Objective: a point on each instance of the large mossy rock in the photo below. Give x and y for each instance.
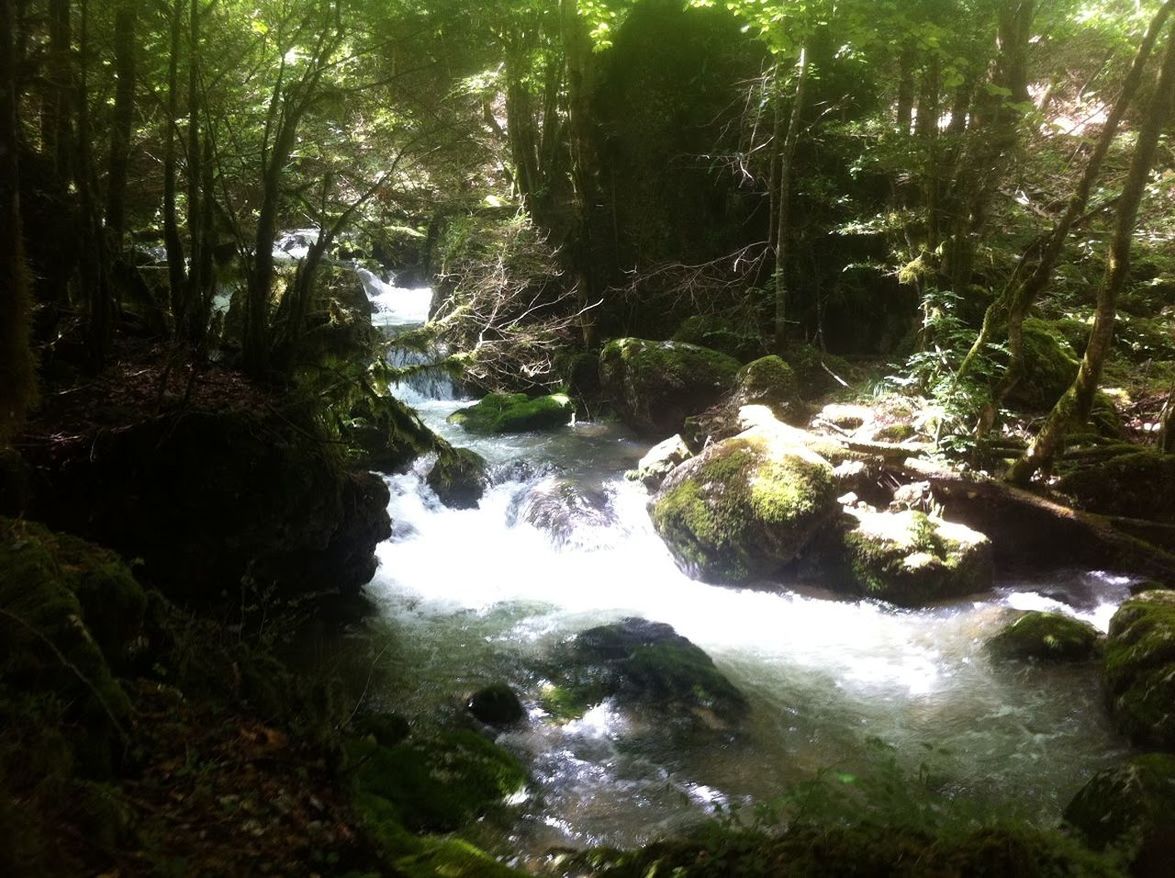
(644, 667)
(459, 477)
(70, 613)
(770, 381)
(386, 435)
(1050, 365)
(1131, 808)
(1050, 637)
(911, 559)
(656, 385)
(744, 508)
(1140, 669)
(720, 335)
(514, 413)
(1138, 485)
(207, 498)
(437, 782)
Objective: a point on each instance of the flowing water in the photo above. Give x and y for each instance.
(478, 596)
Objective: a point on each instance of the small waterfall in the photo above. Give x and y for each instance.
(398, 310)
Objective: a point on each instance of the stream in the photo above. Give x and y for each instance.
(479, 596)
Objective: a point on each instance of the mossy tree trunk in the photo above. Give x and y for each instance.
(176, 271)
(1074, 406)
(1021, 293)
(17, 374)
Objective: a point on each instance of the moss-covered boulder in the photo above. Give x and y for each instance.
(1050, 365)
(815, 369)
(770, 381)
(208, 498)
(436, 782)
(1128, 485)
(1131, 808)
(743, 508)
(718, 334)
(384, 434)
(1140, 669)
(459, 477)
(70, 614)
(660, 461)
(655, 385)
(514, 413)
(911, 559)
(644, 667)
(1050, 637)
(496, 705)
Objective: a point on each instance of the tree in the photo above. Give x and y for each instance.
(17, 374)
(1074, 406)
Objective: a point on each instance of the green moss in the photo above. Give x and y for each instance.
(1050, 366)
(437, 782)
(384, 434)
(1140, 668)
(743, 508)
(710, 331)
(910, 559)
(68, 610)
(770, 381)
(1130, 808)
(656, 385)
(421, 856)
(642, 665)
(514, 413)
(1045, 636)
(1126, 485)
(811, 367)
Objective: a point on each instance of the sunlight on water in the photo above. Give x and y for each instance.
(482, 595)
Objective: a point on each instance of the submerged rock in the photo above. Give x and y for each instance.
(655, 385)
(642, 665)
(563, 510)
(496, 705)
(1047, 637)
(660, 461)
(1140, 669)
(459, 477)
(911, 559)
(514, 413)
(1131, 808)
(744, 508)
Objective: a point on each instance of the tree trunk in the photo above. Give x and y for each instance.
(17, 370)
(904, 112)
(1074, 406)
(1019, 297)
(176, 272)
(121, 124)
(577, 50)
(95, 268)
(194, 288)
(783, 216)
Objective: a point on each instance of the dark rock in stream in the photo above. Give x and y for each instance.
(459, 478)
(496, 705)
(642, 666)
(1131, 808)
